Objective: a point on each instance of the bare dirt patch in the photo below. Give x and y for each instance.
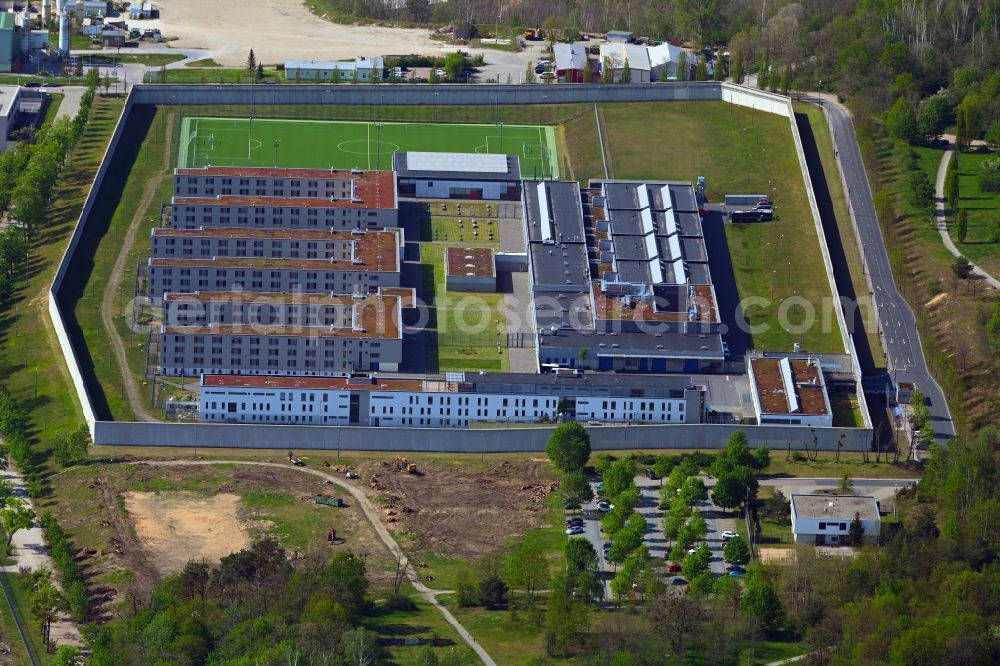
(278, 30)
(178, 527)
(461, 512)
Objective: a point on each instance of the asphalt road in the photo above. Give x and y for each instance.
(897, 325)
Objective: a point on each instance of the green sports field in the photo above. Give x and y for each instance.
(355, 145)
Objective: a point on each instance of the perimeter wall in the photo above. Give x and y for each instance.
(427, 439)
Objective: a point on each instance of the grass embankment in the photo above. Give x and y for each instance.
(207, 75)
(423, 621)
(22, 597)
(143, 158)
(204, 62)
(150, 59)
(739, 151)
(55, 101)
(983, 211)
(30, 358)
(583, 147)
(852, 254)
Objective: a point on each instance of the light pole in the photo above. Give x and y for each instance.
(378, 146)
(276, 143)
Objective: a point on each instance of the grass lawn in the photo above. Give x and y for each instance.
(30, 358)
(510, 637)
(55, 101)
(465, 326)
(846, 411)
(826, 466)
(821, 132)
(424, 622)
(983, 211)
(77, 40)
(151, 59)
(765, 652)
(22, 596)
(583, 147)
(205, 75)
(204, 62)
(729, 144)
(146, 187)
(18, 653)
(347, 145)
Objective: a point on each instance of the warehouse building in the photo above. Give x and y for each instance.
(364, 334)
(790, 392)
(458, 175)
(364, 70)
(470, 269)
(458, 401)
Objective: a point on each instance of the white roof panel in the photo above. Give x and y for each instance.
(457, 162)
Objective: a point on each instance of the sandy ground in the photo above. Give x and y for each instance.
(178, 527)
(277, 30)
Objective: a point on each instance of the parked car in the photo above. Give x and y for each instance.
(650, 474)
(574, 522)
(539, 69)
(52, 84)
(607, 546)
(735, 567)
(729, 534)
(573, 531)
(32, 84)
(599, 486)
(677, 580)
(604, 506)
(571, 506)
(673, 567)
(736, 573)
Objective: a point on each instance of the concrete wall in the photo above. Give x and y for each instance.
(360, 438)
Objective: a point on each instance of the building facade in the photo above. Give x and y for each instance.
(338, 246)
(789, 391)
(491, 176)
(487, 398)
(826, 519)
(265, 182)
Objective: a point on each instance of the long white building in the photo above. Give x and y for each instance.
(456, 402)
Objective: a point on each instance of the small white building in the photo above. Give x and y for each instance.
(664, 57)
(365, 70)
(570, 61)
(620, 36)
(470, 269)
(616, 55)
(826, 519)
(9, 109)
(491, 175)
(789, 391)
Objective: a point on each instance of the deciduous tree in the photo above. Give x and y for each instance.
(569, 446)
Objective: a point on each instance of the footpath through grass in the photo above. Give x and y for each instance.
(739, 151)
(983, 209)
(31, 362)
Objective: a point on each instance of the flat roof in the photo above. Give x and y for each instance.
(375, 252)
(669, 303)
(273, 232)
(269, 172)
(562, 383)
(789, 386)
(556, 236)
(457, 166)
(373, 316)
(470, 261)
(835, 507)
(371, 189)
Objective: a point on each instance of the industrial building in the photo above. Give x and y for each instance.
(311, 335)
(10, 41)
(615, 55)
(267, 182)
(363, 70)
(470, 269)
(458, 175)
(790, 391)
(825, 520)
(570, 62)
(611, 282)
(457, 401)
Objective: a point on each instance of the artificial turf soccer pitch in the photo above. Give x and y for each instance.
(326, 144)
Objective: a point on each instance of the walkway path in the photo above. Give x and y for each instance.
(373, 516)
(135, 397)
(30, 552)
(941, 213)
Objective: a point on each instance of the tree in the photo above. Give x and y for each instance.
(259, 72)
(696, 562)
(565, 620)
(921, 192)
(763, 71)
(682, 69)
(575, 489)
(360, 647)
(493, 592)
(961, 267)
(962, 224)
(583, 574)
(846, 485)
(786, 80)
(701, 70)
(626, 76)
(733, 486)
(701, 19)
(663, 467)
(15, 515)
(526, 568)
(951, 193)
(738, 67)
(693, 491)
(993, 135)
(66, 655)
(46, 602)
(607, 70)
(761, 458)
(72, 449)
(992, 334)
(569, 446)
(585, 77)
(736, 551)
(663, 76)
(251, 65)
(619, 476)
(856, 531)
(901, 121)
(454, 63)
(529, 74)
(760, 602)
(935, 116)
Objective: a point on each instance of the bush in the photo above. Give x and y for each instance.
(989, 181)
(921, 192)
(400, 602)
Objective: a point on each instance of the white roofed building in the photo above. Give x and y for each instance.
(570, 61)
(615, 55)
(458, 175)
(665, 56)
(366, 69)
